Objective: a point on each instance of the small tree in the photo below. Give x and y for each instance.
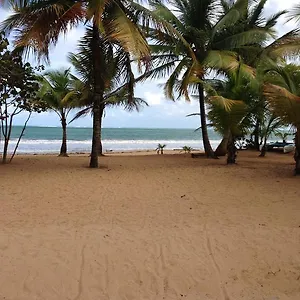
(282, 135)
(160, 148)
(18, 87)
(270, 124)
(187, 149)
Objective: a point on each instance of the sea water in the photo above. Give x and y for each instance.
(48, 139)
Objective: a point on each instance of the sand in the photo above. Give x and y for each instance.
(150, 227)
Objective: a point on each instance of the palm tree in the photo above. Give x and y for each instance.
(227, 113)
(282, 135)
(269, 125)
(282, 92)
(58, 92)
(212, 29)
(160, 148)
(37, 24)
(118, 77)
(220, 33)
(187, 149)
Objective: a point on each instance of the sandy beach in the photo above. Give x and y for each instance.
(150, 227)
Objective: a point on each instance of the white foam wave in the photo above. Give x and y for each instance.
(53, 146)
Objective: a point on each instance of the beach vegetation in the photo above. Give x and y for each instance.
(160, 148)
(187, 149)
(18, 94)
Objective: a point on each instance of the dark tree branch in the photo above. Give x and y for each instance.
(20, 137)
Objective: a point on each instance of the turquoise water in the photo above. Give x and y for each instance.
(48, 139)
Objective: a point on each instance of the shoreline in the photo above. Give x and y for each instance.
(113, 152)
(144, 152)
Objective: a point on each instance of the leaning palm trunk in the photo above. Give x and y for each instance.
(263, 150)
(231, 150)
(222, 148)
(256, 135)
(207, 147)
(63, 148)
(297, 152)
(97, 97)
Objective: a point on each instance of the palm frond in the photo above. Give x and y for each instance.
(283, 103)
(37, 24)
(294, 13)
(82, 113)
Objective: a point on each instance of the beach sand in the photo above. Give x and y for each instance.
(150, 227)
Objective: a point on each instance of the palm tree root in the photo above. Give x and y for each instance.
(232, 154)
(63, 155)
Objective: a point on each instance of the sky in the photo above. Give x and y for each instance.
(161, 112)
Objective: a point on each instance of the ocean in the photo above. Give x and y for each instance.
(48, 139)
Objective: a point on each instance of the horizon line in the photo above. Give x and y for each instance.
(88, 127)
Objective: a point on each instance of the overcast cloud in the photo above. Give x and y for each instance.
(161, 113)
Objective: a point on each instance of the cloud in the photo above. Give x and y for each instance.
(161, 112)
(153, 98)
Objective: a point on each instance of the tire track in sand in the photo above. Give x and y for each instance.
(215, 264)
(80, 285)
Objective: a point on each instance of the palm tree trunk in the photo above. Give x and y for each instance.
(297, 152)
(63, 148)
(256, 135)
(263, 150)
(96, 134)
(207, 146)
(222, 148)
(231, 155)
(97, 97)
(101, 118)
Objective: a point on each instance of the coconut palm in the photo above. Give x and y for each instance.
(60, 95)
(119, 79)
(282, 92)
(228, 111)
(213, 29)
(258, 54)
(269, 125)
(117, 98)
(228, 115)
(220, 33)
(37, 24)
